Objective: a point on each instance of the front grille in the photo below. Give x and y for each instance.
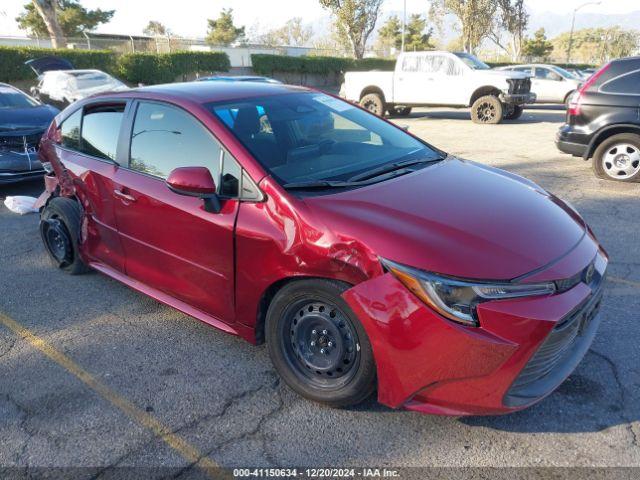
(558, 344)
(520, 86)
(565, 345)
(20, 143)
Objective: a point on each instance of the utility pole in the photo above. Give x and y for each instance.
(404, 23)
(573, 24)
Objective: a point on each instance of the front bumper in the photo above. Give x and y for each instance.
(518, 99)
(429, 364)
(18, 167)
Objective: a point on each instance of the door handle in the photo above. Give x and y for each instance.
(123, 196)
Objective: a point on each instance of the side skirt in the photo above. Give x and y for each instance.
(164, 298)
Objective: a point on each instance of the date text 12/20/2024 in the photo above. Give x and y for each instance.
(316, 473)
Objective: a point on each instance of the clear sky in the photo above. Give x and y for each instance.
(188, 17)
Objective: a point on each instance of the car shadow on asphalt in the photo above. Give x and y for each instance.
(532, 114)
(32, 188)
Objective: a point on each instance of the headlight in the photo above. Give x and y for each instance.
(457, 299)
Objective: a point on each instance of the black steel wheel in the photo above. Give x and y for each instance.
(324, 346)
(318, 345)
(59, 230)
(57, 241)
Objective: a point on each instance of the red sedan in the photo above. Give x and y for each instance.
(366, 258)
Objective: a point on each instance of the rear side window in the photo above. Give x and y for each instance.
(628, 84)
(100, 131)
(70, 131)
(166, 137)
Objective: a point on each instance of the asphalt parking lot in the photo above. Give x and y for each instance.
(105, 377)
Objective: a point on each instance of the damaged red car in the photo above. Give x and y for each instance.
(365, 258)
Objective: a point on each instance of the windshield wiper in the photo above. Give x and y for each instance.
(389, 167)
(319, 184)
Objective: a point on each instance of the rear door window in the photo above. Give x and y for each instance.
(70, 131)
(101, 129)
(628, 84)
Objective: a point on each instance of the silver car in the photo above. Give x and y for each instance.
(550, 83)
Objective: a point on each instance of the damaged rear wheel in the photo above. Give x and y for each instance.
(59, 229)
(318, 345)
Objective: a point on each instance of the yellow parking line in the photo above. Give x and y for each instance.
(624, 281)
(185, 449)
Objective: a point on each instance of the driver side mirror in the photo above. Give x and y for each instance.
(195, 182)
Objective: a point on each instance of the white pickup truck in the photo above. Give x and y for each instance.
(441, 79)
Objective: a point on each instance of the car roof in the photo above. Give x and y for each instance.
(86, 70)
(206, 92)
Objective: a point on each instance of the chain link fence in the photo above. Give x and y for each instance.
(240, 56)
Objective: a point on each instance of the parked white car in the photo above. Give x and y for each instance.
(441, 79)
(60, 84)
(550, 83)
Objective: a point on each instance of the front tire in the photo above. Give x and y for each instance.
(373, 103)
(60, 232)
(618, 158)
(318, 345)
(487, 110)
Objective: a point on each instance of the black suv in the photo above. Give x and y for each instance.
(603, 121)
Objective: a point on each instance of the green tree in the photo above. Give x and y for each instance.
(417, 35)
(389, 36)
(155, 29)
(512, 17)
(71, 17)
(598, 45)
(476, 19)
(355, 20)
(222, 31)
(293, 33)
(538, 46)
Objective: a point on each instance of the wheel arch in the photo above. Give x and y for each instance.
(608, 132)
(372, 89)
(269, 294)
(568, 95)
(482, 91)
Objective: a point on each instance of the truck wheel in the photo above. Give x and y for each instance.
(618, 158)
(318, 345)
(487, 110)
(513, 112)
(401, 111)
(373, 102)
(60, 232)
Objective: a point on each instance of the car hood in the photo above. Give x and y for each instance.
(456, 218)
(14, 121)
(504, 74)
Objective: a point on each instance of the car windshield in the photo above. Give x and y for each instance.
(565, 73)
(472, 61)
(312, 137)
(87, 80)
(13, 98)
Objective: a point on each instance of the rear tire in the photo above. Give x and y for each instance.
(618, 158)
(513, 112)
(318, 345)
(487, 110)
(60, 232)
(373, 103)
